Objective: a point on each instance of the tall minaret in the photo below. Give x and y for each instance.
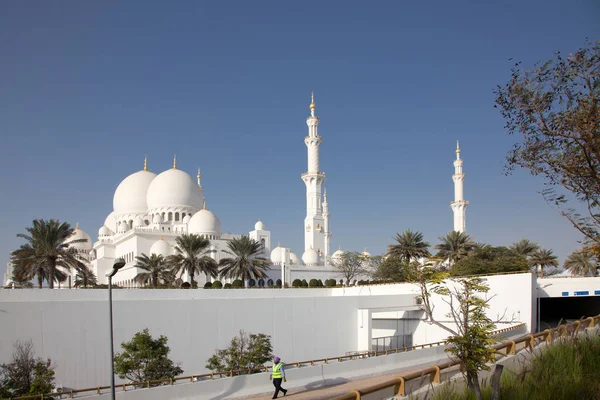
(459, 205)
(314, 230)
(326, 225)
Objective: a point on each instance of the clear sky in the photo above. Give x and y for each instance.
(87, 89)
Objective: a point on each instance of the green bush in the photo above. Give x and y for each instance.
(186, 285)
(315, 283)
(228, 286)
(330, 283)
(217, 285)
(270, 283)
(208, 285)
(304, 283)
(297, 283)
(238, 284)
(251, 283)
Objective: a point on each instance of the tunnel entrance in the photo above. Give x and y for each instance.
(551, 310)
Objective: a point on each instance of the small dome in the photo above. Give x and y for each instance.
(276, 255)
(104, 231)
(78, 234)
(161, 248)
(138, 222)
(186, 219)
(294, 259)
(310, 257)
(123, 227)
(130, 196)
(205, 222)
(366, 253)
(110, 222)
(259, 226)
(174, 188)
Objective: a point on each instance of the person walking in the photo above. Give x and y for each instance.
(278, 374)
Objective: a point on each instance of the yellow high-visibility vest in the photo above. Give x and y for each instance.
(276, 372)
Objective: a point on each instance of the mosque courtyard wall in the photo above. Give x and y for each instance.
(71, 326)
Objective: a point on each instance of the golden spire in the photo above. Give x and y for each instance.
(457, 148)
(325, 194)
(205, 204)
(175, 161)
(145, 163)
(278, 244)
(198, 176)
(77, 225)
(312, 101)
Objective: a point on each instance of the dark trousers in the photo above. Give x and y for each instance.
(277, 384)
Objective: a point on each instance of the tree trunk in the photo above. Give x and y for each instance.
(473, 383)
(51, 277)
(496, 382)
(192, 278)
(40, 280)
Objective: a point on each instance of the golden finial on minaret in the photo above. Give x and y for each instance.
(145, 163)
(205, 204)
(312, 101)
(325, 193)
(175, 161)
(278, 244)
(198, 176)
(77, 225)
(457, 147)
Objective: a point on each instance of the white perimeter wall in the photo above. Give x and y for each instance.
(71, 326)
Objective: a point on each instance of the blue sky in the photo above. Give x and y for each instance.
(89, 88)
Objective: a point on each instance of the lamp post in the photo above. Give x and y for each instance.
(118, 264)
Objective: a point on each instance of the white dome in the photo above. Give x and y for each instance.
(77, 235)
(259, 226)
(130, 196)
(310, 257)
(137, 222)
(123, 227)
(104, 231)
(294, 259)
(174, 188)
(205, 222)
(276, 255)
(366, 253)
(110, 222)
(161, 248)
(186, 219)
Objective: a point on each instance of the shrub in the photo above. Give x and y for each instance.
(330, 283)
(186, 285)
(270, 283)
(208, 285)
(251, 283)
(217, 285)
(261, 283)
(238, 284)
(278, 284)
(26, 374)
(313, 283)
(228, 286)
(297, 283)
(304, 283)
(145, 359)
(246, 351)
(320, 283)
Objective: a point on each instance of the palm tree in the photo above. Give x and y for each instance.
(410, 246)
(582, 262)
(191, 257)
(246, 261)
(155, 268)
(543, 258)
(85, 277)
(46, 249)
(524, 248)
(455, 246)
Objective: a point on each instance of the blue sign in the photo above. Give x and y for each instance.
(565, 293)
(582, 293)
(597, 292)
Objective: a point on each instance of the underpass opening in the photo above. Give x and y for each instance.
(556, 310)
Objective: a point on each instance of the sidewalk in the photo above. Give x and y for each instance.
(328, 392)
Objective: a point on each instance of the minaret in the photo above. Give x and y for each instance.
(200, 184)
(459, 205)
(314, 230)
(326, 225)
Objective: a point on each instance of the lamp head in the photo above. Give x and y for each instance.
(117, 265)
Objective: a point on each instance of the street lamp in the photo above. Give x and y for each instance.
(118, 264)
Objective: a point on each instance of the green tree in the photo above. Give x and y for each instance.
(154, 269)
(351, 265)
(191, 257)
(145, 359)
(582, 262)
(489, 260)
(455, 246)
(246, 351)
(410, 246)
(554, 108)
(392, 269)
(245, 261)
(541, 259)
(524, 248)
(26, 374)
(47, 249)
(85, 277)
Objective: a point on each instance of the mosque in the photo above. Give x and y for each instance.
(150, 211)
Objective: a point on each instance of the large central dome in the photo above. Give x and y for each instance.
(130, 196)
(174, 188)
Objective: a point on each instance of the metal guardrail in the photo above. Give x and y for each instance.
(434, 371)
(71, 394)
